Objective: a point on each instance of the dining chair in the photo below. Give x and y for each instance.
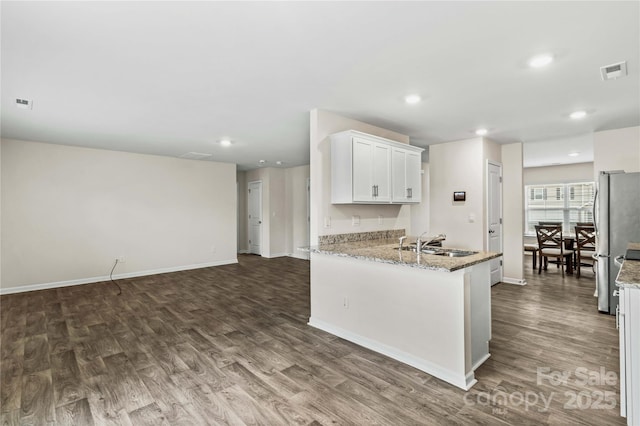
(551, 244)
(585, 246)
(584, 224)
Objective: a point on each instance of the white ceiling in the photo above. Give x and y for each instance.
(173, 77)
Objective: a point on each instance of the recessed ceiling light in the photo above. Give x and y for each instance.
(262, 161)
(225, 142)
(279, 163)
(481, 132)
(577, 115)
(574, 154)
(540, 61)
(412, 99)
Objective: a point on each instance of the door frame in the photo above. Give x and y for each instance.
(249, 219)
(487, 201)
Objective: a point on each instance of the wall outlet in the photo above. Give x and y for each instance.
(355, 220)
(121, 259)
(345, 302)
(380, 219)
(327, 221)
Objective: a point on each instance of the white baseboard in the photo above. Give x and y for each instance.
(515, 281)
(480, 362)
(243, 251)
(303, 256)
(91, 280)
(462, 381)
(273, 255)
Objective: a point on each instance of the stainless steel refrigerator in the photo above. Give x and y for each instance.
(617, 220)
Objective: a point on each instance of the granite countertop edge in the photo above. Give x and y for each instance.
(629, 275)
(428, 262)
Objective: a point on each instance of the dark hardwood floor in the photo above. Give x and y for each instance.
(230, 345)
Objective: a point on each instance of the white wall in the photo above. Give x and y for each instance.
(322, 125)
(68, 212)
(284, 209)
(297, 229)
(512, 213)
(420, 212)
(565, 173)
(278, 211)
(243, 225)
(617, 149)
(460, 166)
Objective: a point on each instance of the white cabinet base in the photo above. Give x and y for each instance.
(436, 321)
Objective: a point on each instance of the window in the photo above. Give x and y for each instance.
(565, 203)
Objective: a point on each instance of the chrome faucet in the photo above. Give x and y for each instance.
(420, 243)
(401, 242)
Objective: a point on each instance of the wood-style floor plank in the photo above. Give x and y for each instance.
(231, 345)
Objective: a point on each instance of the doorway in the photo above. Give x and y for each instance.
(254, 209)
(494, 218)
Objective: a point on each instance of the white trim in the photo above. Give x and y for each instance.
(486, 173)
(244, 251)
(303, 256)
(463, 382)
(262, 217)
(91, 280)
(480, 362)
(515, 281)
(272, 255)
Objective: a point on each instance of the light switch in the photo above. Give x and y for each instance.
(472, 217)
(355, 220)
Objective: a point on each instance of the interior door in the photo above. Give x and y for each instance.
(255, 217)
(494, 218)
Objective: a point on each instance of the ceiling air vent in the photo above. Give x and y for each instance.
(195, 156)
(613, 71)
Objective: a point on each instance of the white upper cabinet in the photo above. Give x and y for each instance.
(406, 168)
(363, 171)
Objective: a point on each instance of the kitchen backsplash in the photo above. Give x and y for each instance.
(360, 236)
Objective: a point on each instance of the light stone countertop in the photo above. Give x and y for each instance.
(386, 251)
(629, 275)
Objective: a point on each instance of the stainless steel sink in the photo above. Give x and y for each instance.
(437, 251)
(458, 253)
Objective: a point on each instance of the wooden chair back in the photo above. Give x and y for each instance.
(585, 238)
(549, 237)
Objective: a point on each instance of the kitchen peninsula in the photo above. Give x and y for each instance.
(430, 311)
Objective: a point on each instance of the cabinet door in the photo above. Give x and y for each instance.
(382, 172)
(413, 177)
(398, 175)
(362, 170)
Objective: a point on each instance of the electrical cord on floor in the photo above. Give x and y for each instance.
(111, 278)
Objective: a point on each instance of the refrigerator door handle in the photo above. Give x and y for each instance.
(618, 260)
(595, 221)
